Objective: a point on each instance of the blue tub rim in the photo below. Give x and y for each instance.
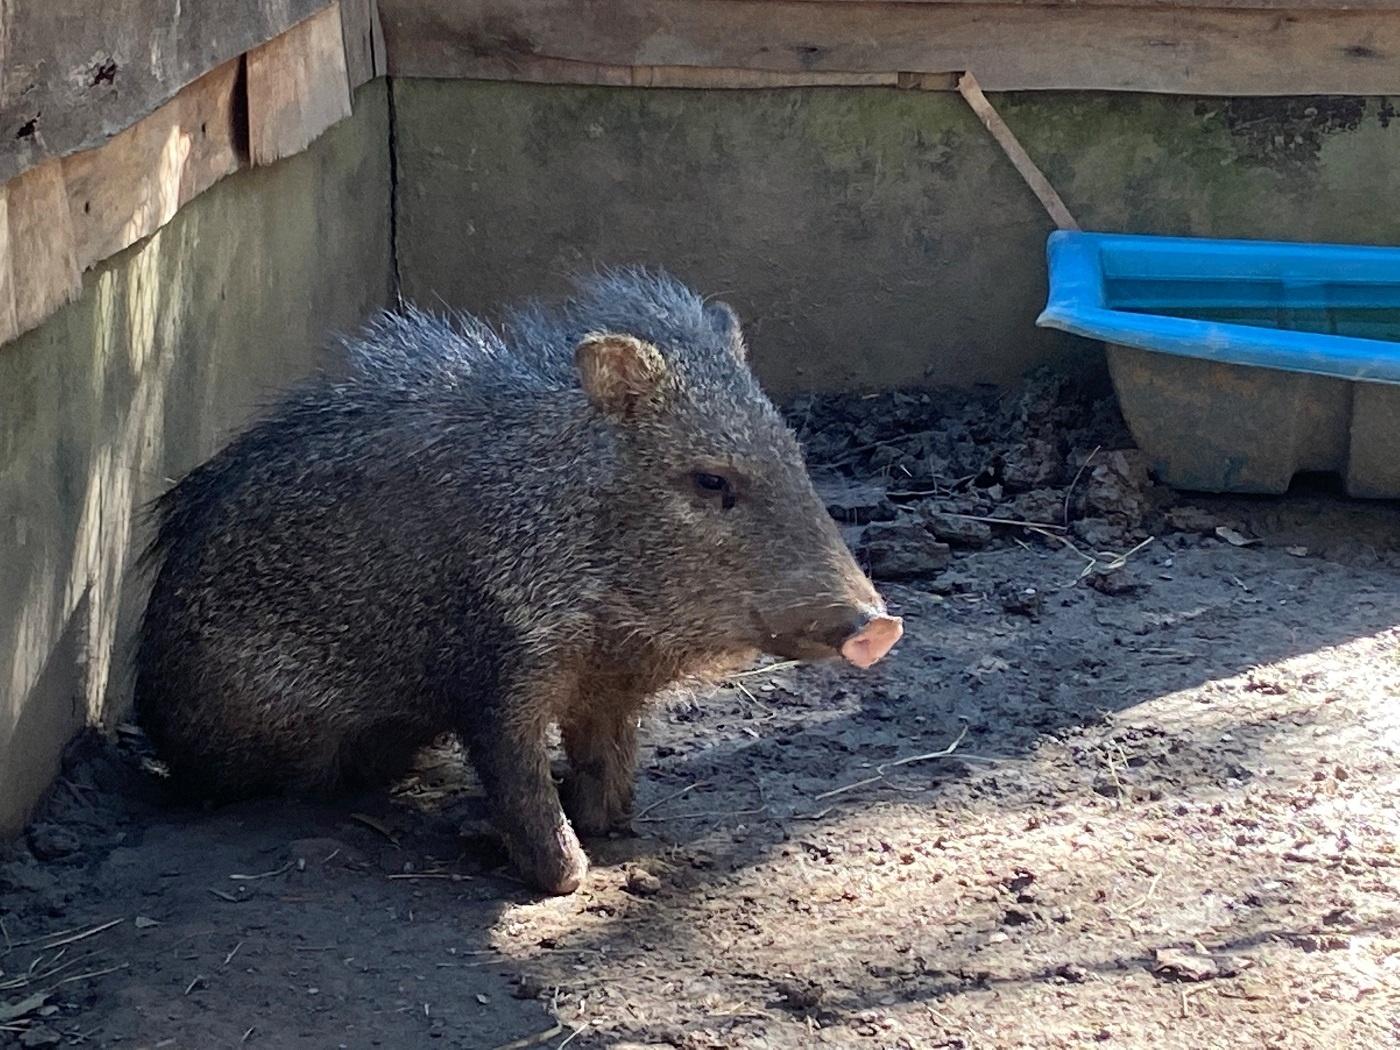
(1077, 301)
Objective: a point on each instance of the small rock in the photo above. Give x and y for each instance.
(1099, 534)
(1117, 583)
(854, 502)
(954, 583)
(1192, 519)
(1035, 464)
(1116, 486)
(958, 531)
(1017, 917)
(313, 852)
(1039, 506)
(1234, 537)
(52, 841)
(799, 993)
(1021, 601)
(1188, 965)
(40, 1035)
(903, 550)
(1071, 974)
(25, 877)
(642, 883)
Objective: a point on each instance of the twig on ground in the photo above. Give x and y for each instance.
(754, 700)
(1032, 525)
(1151, 889)
(670, 798)
(573, 1035)
(533, 1040)
(711, 813)
(850, 453)
(781, 665)
(880, 770)
(66, 937)
(91, 974)
(377, 825)
(1069, 492)
(266, 874)
(1093, 562)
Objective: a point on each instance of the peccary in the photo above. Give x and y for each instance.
(487, 531)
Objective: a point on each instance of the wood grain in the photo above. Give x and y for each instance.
(38, 267)
(129, 188)
(73, 74)
(1229, 50)
(297, 87)
(364, 41)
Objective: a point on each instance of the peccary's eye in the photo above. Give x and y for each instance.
(712, 485)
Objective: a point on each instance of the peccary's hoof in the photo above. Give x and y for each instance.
(558, 867)
(589, 813)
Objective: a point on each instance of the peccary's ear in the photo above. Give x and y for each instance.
(621, 375)
(726, 322)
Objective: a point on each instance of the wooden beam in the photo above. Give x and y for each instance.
(1246, 5)
(364, 41)
(132, 186)
(38, 266)
(74, 74)
(1031, 175)
(297, 87)
(1216, 50)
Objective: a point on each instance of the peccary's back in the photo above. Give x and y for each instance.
(355, 552)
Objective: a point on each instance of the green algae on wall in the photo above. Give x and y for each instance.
(869, 236)
(171, 347)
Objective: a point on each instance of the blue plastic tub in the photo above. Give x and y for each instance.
(1240, 364)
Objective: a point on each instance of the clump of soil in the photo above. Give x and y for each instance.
(1130, 779)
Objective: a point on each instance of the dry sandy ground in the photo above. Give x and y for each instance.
(1160, 811)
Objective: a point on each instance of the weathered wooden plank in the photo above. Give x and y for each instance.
(130, 187)
(722, 78)
(9, 322)
(1260, 5)
(1031, 175)
(297, 87)
(364, 41)
(38, 267)
(561, 71)
(1009, 46)
(74, 74)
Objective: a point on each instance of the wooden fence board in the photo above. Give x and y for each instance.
(1010, 46)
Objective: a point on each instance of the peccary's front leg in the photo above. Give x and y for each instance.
(601, 741)
(508, 747)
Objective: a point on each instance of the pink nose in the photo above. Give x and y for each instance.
(875, 639)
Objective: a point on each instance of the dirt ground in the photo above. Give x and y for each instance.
(1149, 800)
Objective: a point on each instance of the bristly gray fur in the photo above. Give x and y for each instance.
(454, 536)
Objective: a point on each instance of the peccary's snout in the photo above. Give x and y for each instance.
(860, 633)
(849, 621)
(875, 636)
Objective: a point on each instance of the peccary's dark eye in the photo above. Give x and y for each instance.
(714, 485)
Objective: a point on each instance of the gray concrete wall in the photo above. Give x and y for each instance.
(869, 236)
(170, 349)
